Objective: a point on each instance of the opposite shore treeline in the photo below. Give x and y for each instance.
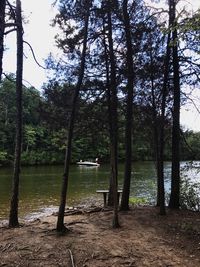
(44, 131)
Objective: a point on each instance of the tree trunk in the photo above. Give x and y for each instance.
(2, 28)
(175, 180)
(113, 119)
(60, 220)
(110, 194)
(13, 219)
(160, 159)
(156, 126)
(129, 111)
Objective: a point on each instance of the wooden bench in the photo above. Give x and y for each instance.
(105, 192)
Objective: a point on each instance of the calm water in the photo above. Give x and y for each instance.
(40, 186)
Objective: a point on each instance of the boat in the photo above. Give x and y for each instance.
(196, 165)
(88, 163)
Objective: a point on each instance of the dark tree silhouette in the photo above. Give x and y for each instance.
(13, 218)
(174, 202)
(113, 117)
(129, 107)
(108, 94)
(2, 29)
(161, 136)
(60, 221)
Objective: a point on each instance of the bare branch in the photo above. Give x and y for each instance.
(72, 258)
(12, 30)
(192, 101)
(54, 3)
(8, 78)
(34, 55)
(14, 80)
(10, 25)
(12, 10)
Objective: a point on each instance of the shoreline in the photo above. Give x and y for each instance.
(144, 239)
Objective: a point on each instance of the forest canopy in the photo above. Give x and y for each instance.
(46, 113)
(45, 119)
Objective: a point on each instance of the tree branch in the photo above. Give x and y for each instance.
(197, 109)
(12, 10)
(33, 54)
(14, 80)
(12, 30)
(10, 25)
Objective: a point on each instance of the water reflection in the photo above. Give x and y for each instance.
(40, 186)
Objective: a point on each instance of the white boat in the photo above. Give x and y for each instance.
(196, 165)
(88, 163)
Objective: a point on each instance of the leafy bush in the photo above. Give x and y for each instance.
(190, 194)
(3, 158)
(138, 201)
(41, 157)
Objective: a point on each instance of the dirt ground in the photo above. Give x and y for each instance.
(144, 239)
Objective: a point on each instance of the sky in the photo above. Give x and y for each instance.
(41, 37)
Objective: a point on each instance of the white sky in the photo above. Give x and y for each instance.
(41, 37)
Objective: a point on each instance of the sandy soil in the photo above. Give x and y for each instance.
(144, 239)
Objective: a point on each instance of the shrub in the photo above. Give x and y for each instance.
(3, 158)
(138, 201)
(190, 195)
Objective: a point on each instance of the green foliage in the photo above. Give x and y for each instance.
(41, 157)
(3, 158)
(29, 136)
(190, 194)
(138, 201)
(190, 145)
(45, 128)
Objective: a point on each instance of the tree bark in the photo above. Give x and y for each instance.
(60, 220)
(113, 119)
(175, 179)
(160, 159)
(110, 194)
(156, 126)
(2, 28)
(129, 111)
(13, 218)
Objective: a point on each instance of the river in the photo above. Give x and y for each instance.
(40, 186)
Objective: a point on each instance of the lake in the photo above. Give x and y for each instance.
(40, 186)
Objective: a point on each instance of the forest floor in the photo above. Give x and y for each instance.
(144, 239)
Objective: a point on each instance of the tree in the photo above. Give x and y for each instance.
(13, 218)
(160, 142)
(159, 102)
(2, 28)
(60, 221)
(175, 180)
(113, 117)
(129, 107)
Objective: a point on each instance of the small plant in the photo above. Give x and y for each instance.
(190, 194)
(3, 157)
(138, 200)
